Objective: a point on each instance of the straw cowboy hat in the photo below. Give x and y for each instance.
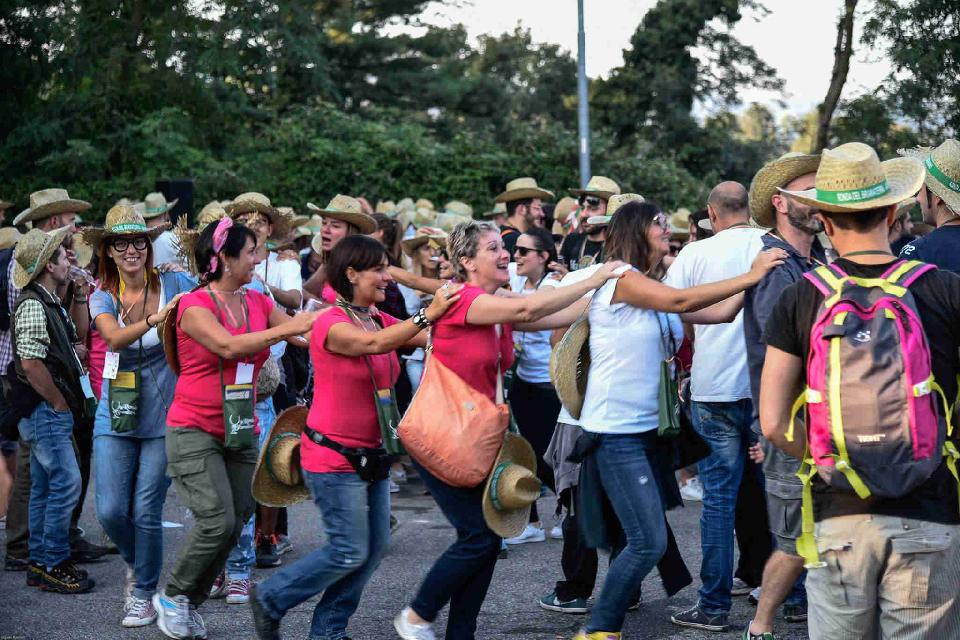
(33, 252)
(943, 170)
(406, 204)
(521, 189)
(599, 186)
(459, 208)
(423, 203)
(122, 221)
(9, 236)
(83, 250)
(424, 235)
(385, 207)
(570, 365)
(155, 204)
(680, 224)
(562, 221)
(187, 237)
(771, 177)
(499, 209)
(447, 221)
(511, 488)
(277, 480)
(49, 202)
(851, 178)
(257, 202)
(613, 204)
(348, 210)
(294, 219)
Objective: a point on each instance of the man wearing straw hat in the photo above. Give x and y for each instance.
(940, 203)
(890, 565)
(46, 362)
(585, 240)
(156, 211)
(49, 210)
(524, 201)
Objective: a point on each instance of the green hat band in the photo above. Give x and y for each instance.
(155, 209)
(941, 177)
(128, 226)
(846, 196)
(494, 485)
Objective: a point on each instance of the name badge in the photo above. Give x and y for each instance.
(87, 388)
(244, 373)
(111, 365)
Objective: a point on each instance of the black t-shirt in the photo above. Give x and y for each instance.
(937, 295)
(510, 235)
(578, 246)
(940, 247)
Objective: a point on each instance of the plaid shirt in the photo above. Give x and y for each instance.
(6, 337)
(30, 325)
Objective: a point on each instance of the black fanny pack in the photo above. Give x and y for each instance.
(370, 464)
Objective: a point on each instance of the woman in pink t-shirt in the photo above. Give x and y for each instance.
(467, 341)
(353, 351)
(224, 333)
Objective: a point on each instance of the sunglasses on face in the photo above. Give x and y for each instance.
(591, 201)
(661, 220)
(523, 251)
(120, 244)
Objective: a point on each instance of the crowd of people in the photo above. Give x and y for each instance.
(789, 356)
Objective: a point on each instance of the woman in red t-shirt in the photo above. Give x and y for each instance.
(353, 351)
(224, 333)
(469, 343)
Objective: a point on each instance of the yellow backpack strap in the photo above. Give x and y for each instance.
(950, 453)
(807, 542)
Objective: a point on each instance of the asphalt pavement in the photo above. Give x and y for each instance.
(510, 610)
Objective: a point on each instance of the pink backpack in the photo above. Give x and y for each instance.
(872, 422)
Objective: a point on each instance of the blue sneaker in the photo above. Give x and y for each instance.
(173, 615)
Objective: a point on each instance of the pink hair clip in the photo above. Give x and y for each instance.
(219, 239)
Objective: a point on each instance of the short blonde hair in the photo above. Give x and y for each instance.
(463, 243)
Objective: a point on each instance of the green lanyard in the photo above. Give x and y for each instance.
(870, 252)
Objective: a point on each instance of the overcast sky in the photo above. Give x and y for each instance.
(795, 39)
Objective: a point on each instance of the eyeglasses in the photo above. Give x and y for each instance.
(661, 220)
(120, 244)
(523, 251)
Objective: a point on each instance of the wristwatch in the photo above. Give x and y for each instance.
(420, 319)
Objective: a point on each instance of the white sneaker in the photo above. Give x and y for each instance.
(173, 615)
(530, 533)
(556, 533)
(139, 613)
(740, 588)
(394, 487)
(409, 631)
(692, 490)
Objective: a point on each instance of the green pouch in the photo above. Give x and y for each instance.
(238, 416)
(388, 415)
(124, 401)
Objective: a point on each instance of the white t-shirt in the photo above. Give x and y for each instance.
(282, 274)
(626, 349)
(720, 371)
(573, 278)
(165, 250)
(533, 347)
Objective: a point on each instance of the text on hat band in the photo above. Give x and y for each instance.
(941, 177)
(844, 196)
(128, 226)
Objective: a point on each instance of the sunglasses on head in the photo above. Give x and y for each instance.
(662, 220)
(523, 251)
(120, 244)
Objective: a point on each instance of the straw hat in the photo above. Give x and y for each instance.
(423, 236)
(83, 250)
(423, 203)
(566, 206)
(294, 219)
(277, 480)
(499, 209)
(570, 365)
(613, 204)
(511, 488)
(851, 178)
(407, 204)
(447, 221)
(187, 237)
(348, 210)
(680, 224)
(50, 202)
(771, 177)
(9, 236)
(33, 252)
(943, 170)
(521, 189)
(599, 186)
(386, 207)
(122, 221)
(459, 208)
(155, 204)
(315, 224)
(252, 201)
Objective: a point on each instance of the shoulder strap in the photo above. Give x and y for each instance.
(826, 279)
(906, 272)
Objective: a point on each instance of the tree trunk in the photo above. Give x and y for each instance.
(841, 65)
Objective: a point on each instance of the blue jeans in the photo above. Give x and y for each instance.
(131, 489)
(462, 574)
(631, 486)
(356, 520)
(54, 482)
(244, 554)
(726, 428)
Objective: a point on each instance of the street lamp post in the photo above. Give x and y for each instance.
(583, 109)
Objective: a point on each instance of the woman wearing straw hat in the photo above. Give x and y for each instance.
(466, 340)
(222, 336)
(422, 250)
(342, 217)
(629, 338)
(352, 349)
(131, 299)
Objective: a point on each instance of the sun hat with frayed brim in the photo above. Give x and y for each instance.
(9, 236)
(851, 178)
(155, 204)
(512, 487)
(49, 202)
(771, 177)
(942, 170)
(613, 205)
(599, 186)
(257, 202)
(277, 479)
(187, 237)
(680, 224)
(33, 252)
(459, 208)
(499, 209)
(521, 189)
(122, 221)
(424, 235)
(570, 365)
(348, 210)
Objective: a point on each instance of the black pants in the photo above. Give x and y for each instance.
(578, 561)
(752, 526)
(535, 408)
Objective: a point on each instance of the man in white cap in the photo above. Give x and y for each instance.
(581, 247)
(940, 203)
(887, 565)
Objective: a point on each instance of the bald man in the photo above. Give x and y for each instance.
(721, 401)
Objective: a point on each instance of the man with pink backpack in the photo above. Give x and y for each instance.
(864, 352)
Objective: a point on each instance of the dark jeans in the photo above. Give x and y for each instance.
(631, 486)
(752, 526)
(462, 574)
(578, 561)
(535, 408)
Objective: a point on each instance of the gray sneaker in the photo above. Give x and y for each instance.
(697, 619)
(173, 615)
(197, 628)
